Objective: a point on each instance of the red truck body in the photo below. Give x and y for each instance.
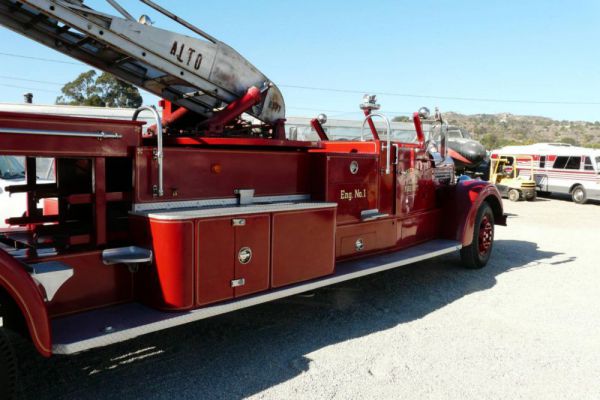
(305, 219)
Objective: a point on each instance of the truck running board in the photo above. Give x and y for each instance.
(76, 333)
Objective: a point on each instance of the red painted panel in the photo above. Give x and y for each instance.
(55, 146)
(370, 147)
(50, 206)
(255, 234)
(93, 284)
(429, 228)
(169, 283)
(26, 294)
(242, 142)
(303, 245)
(207, 173)
(376, 235)
(215, 269)
(353, 192)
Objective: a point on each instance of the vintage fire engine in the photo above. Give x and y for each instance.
(210, 209)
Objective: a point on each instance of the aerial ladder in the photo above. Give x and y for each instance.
(197, 74)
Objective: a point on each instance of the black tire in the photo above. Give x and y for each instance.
(579, 195)
(531, 197)
(8, 367)
(514, 195)
(478, 253)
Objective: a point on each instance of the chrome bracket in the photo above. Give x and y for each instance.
(245, 196)
(370, 215)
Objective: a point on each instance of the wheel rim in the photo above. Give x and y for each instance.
(486, 236)
(578, 195)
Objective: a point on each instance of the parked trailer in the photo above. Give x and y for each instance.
(560, 168)
(207, 213)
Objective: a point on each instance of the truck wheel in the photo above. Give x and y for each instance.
(8, 367)
(531, 197)
(513, 195)
(579, 195)
(477, 254)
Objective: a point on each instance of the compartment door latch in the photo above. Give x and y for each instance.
(238, 282)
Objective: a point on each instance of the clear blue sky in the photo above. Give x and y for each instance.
(530, 51)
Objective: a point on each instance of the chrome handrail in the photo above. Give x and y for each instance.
(159, 143)
(388, 168)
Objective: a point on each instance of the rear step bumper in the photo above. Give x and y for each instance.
(115, 324)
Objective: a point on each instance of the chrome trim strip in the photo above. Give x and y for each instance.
(144, 320)
(171, 205)
(42, 132)
(209, 212)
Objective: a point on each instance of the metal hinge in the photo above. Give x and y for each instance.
(238, 282)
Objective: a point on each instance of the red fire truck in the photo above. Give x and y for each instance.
(211, 208)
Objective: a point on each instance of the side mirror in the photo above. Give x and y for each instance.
(424, 113)
(322, 118)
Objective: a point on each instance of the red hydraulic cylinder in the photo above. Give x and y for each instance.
(419, 128)
(319, 129)
(236, 108)
(169, 118)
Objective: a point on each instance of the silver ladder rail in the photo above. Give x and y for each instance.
(200, 74)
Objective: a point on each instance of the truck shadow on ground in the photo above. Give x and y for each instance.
(246, 352)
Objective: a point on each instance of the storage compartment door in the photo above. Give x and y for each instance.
(303, 245)
(214, 260)
(252, 243)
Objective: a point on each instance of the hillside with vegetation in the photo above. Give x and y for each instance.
(497, 130)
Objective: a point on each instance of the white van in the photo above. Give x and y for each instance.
(12, 172)
(561, 168)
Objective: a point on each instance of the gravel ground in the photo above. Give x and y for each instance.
(525, 327)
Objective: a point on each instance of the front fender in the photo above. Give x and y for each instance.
(461, 205)
(26, 294)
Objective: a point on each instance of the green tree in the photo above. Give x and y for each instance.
(569, 140)
(89, 89)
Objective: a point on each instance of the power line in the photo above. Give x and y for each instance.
(30, 80)
(418, 96)
(335, 90)
(40, 59)
(345, 112)
(28, 88)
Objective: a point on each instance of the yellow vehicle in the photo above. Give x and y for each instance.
(513, 176)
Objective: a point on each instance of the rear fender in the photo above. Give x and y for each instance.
(462, 205)
(29, 298)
